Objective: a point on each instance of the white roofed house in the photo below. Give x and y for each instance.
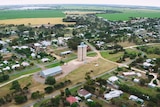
(15, 66)
(45, 59)
(6, 68)
(113, 94)
(46, 43)
(51, 72)
(113, 79)
(25, 64)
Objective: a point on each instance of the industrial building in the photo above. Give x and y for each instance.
(82, 51)
(51, 72)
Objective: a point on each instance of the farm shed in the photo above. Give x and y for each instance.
(51, 72)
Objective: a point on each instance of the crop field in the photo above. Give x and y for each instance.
(35, 21)
(127, 13)
(17, 14)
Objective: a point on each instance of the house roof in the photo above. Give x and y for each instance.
(71, 99)
(129, 73)
(83, 92)
(65, 52)
(113, 94)
(52, 70)
(113, 78)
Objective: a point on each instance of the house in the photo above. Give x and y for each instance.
(129, 73)
(84, 93)
(136, 80)
(146, 65)
(6, 68)
(151, 85)
(71, 99)
(15, 66)
(45, 59)
(113, 79)
(51, 72)
(66, 52)
(113, 94)
(25, 64)
(33, 55)
(139, 74)
(46, 43)
(135, 98)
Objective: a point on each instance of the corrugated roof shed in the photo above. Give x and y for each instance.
(51, 71)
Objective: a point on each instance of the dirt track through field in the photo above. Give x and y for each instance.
(34, 21)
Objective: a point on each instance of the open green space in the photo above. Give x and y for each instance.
(17, 14)
(91, 54)
(112, 57)
(24, 73)
(127, 13)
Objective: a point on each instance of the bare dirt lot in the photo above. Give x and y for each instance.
(34, 21)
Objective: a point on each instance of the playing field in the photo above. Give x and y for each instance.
(127, 13)
(34, 21)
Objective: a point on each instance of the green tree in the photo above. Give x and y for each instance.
(50, 80)
(15, 86)
(67, 92)
(48, 89)
(74, 105)
(35, 95)
(19, 99)
(74, 42)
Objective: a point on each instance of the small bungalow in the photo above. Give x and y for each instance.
(113, 94)
(45, 59)
(151, 85)
(15, 66)
(84, 93)
(65, 52)
(25, 64)
(135, 98)
(113, 79)
(71, 99)
(129, 73)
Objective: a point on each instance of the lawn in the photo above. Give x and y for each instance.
(132, 51)
(78, 75)
(127, 13)
(24, 73)
(17, 14)
(112, 57)
(91, 54)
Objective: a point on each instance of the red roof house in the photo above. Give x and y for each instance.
(71, 99)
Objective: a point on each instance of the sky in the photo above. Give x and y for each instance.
(117, 2)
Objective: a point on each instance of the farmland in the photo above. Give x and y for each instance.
(17, 14)
(127, 13)
(34, 21)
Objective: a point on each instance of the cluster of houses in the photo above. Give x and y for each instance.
(81, 93)
(149, 63)
(7, 66)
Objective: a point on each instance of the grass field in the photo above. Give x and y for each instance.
(130, 13)
(112, 57)
(78, 75)
(17, 14)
